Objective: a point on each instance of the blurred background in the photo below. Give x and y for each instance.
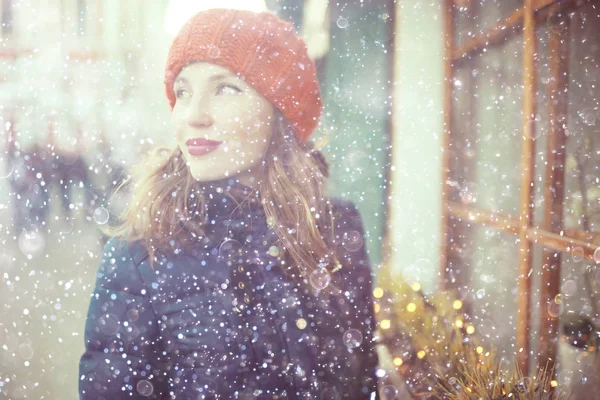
(466, 132)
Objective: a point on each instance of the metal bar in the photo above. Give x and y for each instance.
(554, 192)
(478, 216)
(577, 248)
(446, 143)
(592, 238)
(568, 241)
(527, 182)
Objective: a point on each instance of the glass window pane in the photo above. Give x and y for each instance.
(487, 129)
(493, 12)
(493, 290)
(582, 173)
(580, 285)
(463, 22)
(576, 305)
(473, 18)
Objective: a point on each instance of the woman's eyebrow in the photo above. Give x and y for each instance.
(214, 78)
(220, 77)
(181, 80)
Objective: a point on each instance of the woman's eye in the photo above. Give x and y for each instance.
(231, 89)
(180, 93)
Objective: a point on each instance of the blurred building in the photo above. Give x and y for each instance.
(85, 67)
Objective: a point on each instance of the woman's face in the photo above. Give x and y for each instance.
(222, 125)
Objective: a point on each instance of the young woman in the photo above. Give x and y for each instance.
(231, 275)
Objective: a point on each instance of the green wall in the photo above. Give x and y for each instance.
(355, 90)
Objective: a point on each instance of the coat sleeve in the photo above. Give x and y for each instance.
(121, 358)
(356, 279)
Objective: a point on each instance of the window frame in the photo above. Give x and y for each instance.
(458, 217)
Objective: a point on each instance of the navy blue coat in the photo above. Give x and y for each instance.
(223, 321)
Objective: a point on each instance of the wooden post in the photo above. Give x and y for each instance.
(446, 144)
(390, 23)
(527, 182)
(554, 190)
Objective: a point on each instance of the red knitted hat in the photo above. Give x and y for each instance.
(263, 49)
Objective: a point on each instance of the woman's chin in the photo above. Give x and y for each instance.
(209, 178)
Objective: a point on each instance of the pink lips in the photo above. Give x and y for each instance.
(201, 146)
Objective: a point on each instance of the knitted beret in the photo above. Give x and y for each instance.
(263, 49)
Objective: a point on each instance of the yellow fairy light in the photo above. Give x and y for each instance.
(458, 323)
(470, 329)
(301, 323)
(385, 324)
(416, 286)
(378, 292)
(376, 307)
(479, 349)
(553, 383)
(411, 307)
(457, 305)
(421, 354)
(398, 361)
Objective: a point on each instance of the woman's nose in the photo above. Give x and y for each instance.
(199, 114)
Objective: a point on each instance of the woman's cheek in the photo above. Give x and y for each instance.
(256, 105)
(177, 121)
(254, 115)
(235, 144)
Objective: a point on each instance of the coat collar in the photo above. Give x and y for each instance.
(232, 209)
(230, 199)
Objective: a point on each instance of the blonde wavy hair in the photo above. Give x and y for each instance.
(292, 194)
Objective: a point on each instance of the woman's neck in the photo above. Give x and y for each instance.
(251, 179)
(232, 186)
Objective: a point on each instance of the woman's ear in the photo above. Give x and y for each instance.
(321, 162)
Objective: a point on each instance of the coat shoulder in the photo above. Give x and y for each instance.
(346, 215)
(118, 265)
(340, 204)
